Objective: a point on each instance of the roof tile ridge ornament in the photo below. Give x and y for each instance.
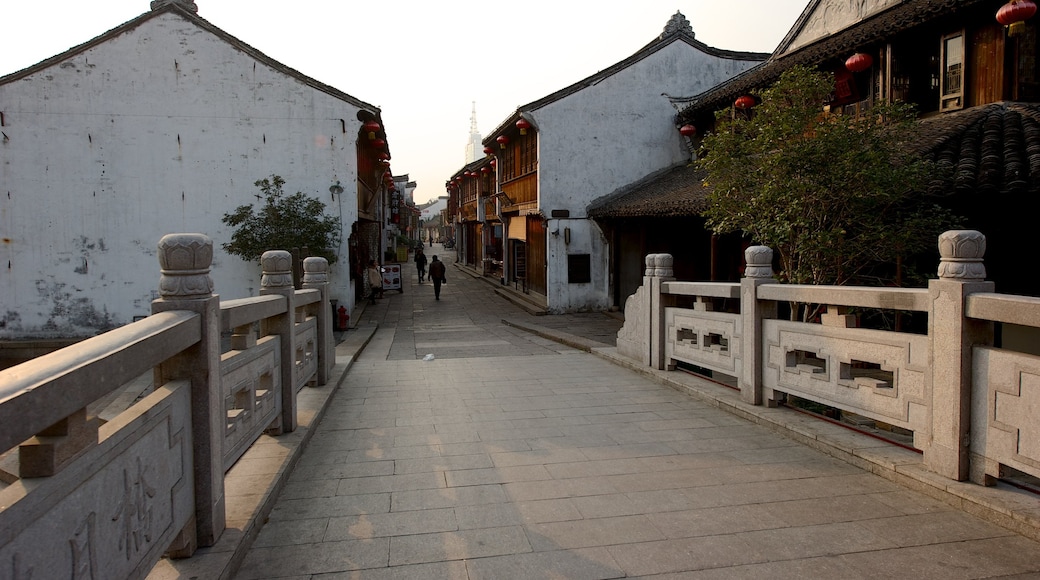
(186, 4)
(678, 24)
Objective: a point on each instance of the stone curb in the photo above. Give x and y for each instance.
(505, 291)
(252, 486)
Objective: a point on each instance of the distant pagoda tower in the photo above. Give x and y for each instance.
(474, 149)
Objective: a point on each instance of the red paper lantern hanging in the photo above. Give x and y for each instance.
(1014, 14)
(859, 62)
(744, 102)
(485, 170)
(688, 130)
(379, 144)
(488, 151)
(502, 141)
(523, 125)
(383, 156)
(371, 127)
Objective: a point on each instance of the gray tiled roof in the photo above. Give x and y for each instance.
(674, 192)
(992, 148)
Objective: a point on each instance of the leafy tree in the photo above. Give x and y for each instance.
(283, 222)
(837, 197)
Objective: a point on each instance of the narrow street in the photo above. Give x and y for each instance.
(512, 456)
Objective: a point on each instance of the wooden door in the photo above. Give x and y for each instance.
(987, 66)
(536, 254)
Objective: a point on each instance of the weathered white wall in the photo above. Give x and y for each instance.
(161, 129)
(604, 137)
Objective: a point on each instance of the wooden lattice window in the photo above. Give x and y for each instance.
(528, 153)
(951, 75)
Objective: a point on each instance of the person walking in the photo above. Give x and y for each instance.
(420, 263)
(437, 271)
(375, 280)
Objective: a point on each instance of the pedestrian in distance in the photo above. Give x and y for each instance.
(420, 264)
(437, 271)
(375, 280)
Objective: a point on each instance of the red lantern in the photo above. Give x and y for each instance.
(371, 127)
(859, 62)
(523, 124)
(383, 157)
(1014, 14)
(502, 141)
(688, 130)
(494, 163)
(488, 151)
(485, 170)
(379, 144)
(744, 102)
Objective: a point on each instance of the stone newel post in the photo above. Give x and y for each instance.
(658, 271)
(757, 271)
(185, 284)
(316, 275)
(961, 272)
(277, 279)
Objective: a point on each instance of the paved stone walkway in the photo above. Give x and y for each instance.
(553, 463)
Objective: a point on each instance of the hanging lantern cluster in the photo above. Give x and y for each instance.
(371, 127)
(744, 102)
(859, 62)
(1014, 14)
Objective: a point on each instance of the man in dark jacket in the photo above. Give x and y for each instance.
(420, 263)
(437, 271)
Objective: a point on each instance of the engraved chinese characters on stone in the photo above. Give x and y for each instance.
(84, 549)
(135, 511)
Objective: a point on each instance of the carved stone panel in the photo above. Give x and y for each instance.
(708, 339)
(878, 374)
(251, 384)
(116, 509)
(633, 340)
(306, 355)
(1005, 407)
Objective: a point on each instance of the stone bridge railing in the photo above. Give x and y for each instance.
(92, 500)
(970, 405)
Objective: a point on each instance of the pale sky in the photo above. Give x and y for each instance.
(423, 62)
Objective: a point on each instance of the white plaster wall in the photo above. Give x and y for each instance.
(162, 129)
(604, 137)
